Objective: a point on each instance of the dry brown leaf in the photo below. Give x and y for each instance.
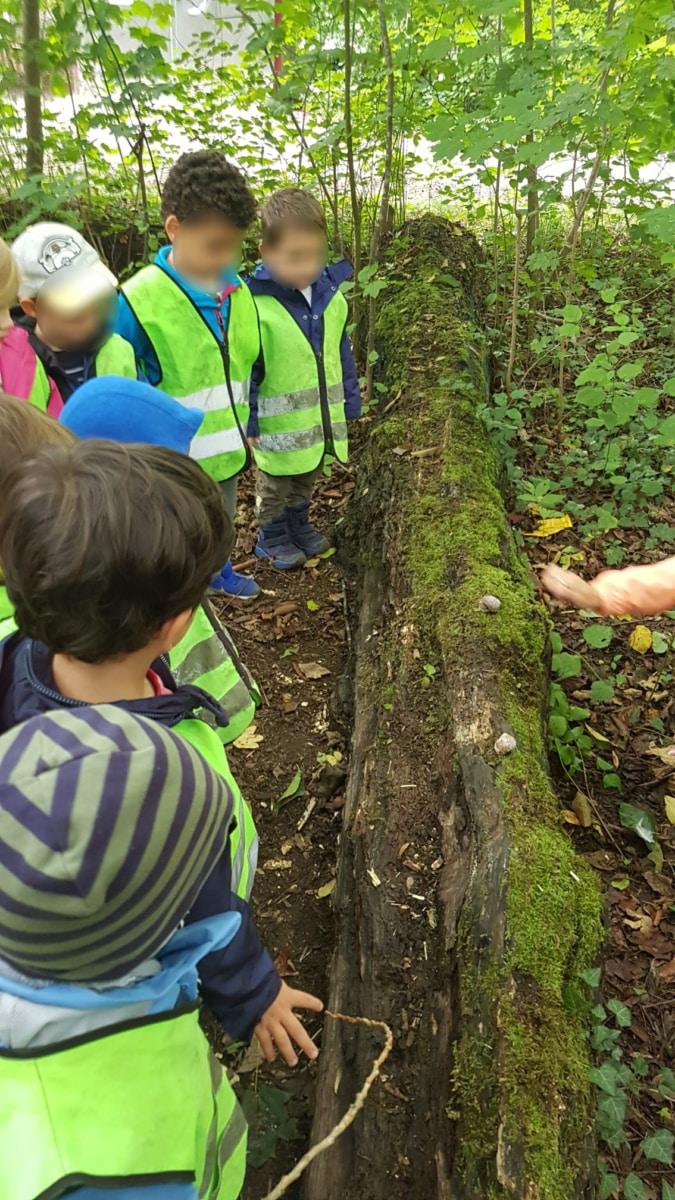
(582, 807)
(374, 877)
(311, 670)
(667, 971)
(570, 817)
(669, 803)
(665, 753)
(277, 864)
(249, 739)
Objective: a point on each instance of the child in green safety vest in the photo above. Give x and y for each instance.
(111, 826)
(304, 387)
(193, 325)
(126, 410)
(107, 551)
(67, 303)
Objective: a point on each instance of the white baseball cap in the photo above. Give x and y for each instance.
(56, 262)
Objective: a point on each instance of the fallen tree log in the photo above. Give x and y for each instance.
(463, 915)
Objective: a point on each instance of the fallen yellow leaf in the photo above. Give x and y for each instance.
(326, 889)
(599, 737)
(640, 639)
(669, 802)
(570, 817)
(550, 526)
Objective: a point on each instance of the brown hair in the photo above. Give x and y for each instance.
(23, 430)
(102, 543)
(290, 207)
(9, 276)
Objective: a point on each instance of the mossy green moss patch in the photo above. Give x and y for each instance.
(458, 547)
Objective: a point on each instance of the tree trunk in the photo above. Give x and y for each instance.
(32, 90)
(351, 171)
(383, 217)
(463, 914)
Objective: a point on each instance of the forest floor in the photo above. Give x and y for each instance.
(293, 771)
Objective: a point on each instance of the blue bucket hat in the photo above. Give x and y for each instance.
(127, 410)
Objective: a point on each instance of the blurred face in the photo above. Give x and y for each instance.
(204, 247)
(5, 323)
(298, 256)
(76, 331)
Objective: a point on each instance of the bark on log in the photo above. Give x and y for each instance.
(463, 915)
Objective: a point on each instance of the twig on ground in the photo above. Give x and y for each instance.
(353, 1110)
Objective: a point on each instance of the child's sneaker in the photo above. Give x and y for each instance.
(303, 533)
(276, 547)
(230, 583)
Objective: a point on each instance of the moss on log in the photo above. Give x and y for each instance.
(463, 915)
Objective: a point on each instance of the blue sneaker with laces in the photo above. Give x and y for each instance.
(230, 583)
(275, 546)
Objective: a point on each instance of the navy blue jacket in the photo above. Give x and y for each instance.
(309, 318)
(238, 983)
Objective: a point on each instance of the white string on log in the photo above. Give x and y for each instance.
(353, 1110)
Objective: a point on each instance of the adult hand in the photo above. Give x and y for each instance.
(569, 588)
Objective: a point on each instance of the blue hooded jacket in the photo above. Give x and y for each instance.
(239, 982)
(309, 318)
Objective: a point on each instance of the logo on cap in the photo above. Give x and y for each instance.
(58, 252)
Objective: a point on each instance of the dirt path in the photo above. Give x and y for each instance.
(295, 641)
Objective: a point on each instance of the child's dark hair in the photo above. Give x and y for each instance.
(205, 183)
(23, 430)
(102, 543)
(290, 207)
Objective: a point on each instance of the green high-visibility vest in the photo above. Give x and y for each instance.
(243, 833)
(198, 369)
(116, 357)
(301, 400)
(140, 1103)
(208, 658)
(7, 621)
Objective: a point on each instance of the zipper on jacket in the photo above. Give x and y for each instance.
(225, 355)
(328, 446)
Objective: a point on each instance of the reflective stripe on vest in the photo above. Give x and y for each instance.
(301, 414)
(116, 357)
(144, 1103)
(196, 368)
(243, 833)
(206, 657)
(39, 390)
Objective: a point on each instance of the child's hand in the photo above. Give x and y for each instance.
(279, 1027)
(569, 588)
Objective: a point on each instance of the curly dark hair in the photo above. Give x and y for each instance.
(205, 182)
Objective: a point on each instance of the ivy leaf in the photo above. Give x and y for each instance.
(634, 1188)
(598, 636)
(659, 1146)
(669, 386)
(660, 644)
(667, 1190)
(606, 1077)
(611, 1116)
(640, 821)
(622, 1013)
(591, 977)
(609, 1185)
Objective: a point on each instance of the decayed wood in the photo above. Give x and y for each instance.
(421, 896)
